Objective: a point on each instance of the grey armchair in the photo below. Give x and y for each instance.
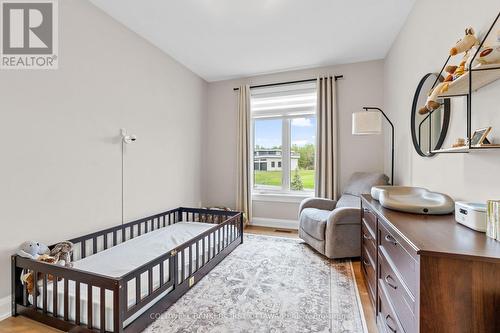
(333, 228)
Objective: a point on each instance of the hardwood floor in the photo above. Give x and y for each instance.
(368, 309)
(272, 231)
(24, 325)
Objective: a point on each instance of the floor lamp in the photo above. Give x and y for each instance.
(370, 122)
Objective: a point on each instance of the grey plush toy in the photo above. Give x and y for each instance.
(62, 253)
(32, 249)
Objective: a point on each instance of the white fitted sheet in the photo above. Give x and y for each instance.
(122, 259)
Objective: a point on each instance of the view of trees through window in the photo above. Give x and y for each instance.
(281, 145)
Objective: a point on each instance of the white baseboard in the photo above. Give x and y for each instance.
(275, 223)
(5, 308)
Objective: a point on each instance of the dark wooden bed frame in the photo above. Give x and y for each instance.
(227, 225)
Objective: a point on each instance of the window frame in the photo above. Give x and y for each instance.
(285, 102)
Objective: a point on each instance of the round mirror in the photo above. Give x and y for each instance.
(429, 130)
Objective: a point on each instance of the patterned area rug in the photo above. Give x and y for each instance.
(269, 284)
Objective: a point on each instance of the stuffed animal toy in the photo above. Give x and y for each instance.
(59, 255)
(490, 54)
(217, 219)
(27, 278)
(450, 69)
(32, 249)
(62, 253)
(432, 103)
(468, 45)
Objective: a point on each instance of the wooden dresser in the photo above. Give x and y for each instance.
(428, 273)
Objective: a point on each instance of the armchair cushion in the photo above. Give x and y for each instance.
(348, 200)
(313, 221)
(362, 182)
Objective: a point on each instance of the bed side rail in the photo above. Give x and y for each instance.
(147, 282)
(205, 215)
(60, 304)
(176, 271)
(199, 251)
(90, 244)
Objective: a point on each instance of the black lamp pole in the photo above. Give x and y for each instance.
(366, 108)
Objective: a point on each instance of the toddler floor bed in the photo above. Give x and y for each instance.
(124, 277)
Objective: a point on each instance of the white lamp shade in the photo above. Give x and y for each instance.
(366, 123)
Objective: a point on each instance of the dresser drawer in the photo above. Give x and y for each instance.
(368, 268)
(398, 295)
(387, 321)
(369, 241)
(370, 219)
(398, 251)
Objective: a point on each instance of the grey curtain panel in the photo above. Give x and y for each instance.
(326, 155)
(243, 183)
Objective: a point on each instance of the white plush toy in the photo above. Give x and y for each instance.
(490, 54)
(32, 249)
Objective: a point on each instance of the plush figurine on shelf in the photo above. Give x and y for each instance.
(490, 54)
(62, 253)
(432, 104)
(32, 249)
(459, 143)
(465, 44)
(450, 69)
(468, 45)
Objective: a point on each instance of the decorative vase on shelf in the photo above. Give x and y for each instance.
(493, 219)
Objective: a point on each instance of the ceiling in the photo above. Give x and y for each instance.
(223, 39)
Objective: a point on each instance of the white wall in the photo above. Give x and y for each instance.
(421, 48)
(362, 85)
(60, 157)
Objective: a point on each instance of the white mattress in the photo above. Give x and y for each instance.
(122, 259)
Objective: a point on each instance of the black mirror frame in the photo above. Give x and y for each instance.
(446, 119)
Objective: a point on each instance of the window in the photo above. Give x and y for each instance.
(284, 138)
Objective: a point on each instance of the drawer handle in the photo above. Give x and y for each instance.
(391, 239)
(367, 237)
(366, 262)
(387, 318)
(387, 278)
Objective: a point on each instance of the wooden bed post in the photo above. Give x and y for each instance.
(14, 286)
(120, 303)
(241, 227)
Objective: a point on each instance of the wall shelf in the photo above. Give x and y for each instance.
(451, 150)
(482, 75)
(472, 80)
(466, 149)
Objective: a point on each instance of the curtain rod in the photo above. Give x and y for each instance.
(289, 82)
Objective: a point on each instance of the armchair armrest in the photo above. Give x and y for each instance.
(344, 215)
(319, 203)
